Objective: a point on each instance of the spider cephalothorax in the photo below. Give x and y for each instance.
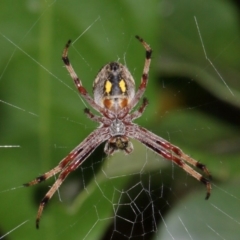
(114, 99)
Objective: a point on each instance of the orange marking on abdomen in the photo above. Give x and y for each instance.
(107, 103)
(124, 103)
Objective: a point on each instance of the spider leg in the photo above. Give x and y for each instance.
(63, 163)
(64, 173)
(77, 81)
(55, 170)
(53, 189)
(69, 164)
(138, 113)
(196, 163)
(167, 145)
(144, 79)
(44, 176)
(170, 152)
(95, 118)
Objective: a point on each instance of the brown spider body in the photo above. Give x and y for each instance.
(113, 87)
(114, 98)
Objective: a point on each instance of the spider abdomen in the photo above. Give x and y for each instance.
(113, 87)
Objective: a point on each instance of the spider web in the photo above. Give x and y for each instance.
(194, 103)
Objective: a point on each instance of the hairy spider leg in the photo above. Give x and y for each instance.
(144, 78)
(167, 145)
(78, 83)
(138, 113)
(69, 164)
(64, 162)
(170, 152)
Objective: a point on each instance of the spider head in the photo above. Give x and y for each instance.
(118, 143)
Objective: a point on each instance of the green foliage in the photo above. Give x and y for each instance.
(43, 114)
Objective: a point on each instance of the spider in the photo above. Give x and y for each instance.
(114, 98)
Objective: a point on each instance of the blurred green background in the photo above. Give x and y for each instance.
(193, 105)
